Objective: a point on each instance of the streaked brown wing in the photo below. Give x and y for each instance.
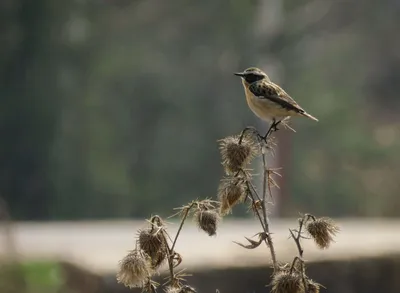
(269, 90)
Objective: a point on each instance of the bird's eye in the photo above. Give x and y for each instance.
(253, 77)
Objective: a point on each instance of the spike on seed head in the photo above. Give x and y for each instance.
(207, 220)
(322, 230)
(231, 191)
(285, 282)
(134, 269)
(237, 154)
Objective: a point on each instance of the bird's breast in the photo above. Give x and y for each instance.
(263, 108)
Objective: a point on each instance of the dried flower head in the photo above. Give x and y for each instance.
(158, 259)
(152, 241)
(207, 221)
(150, 286)
(237, 154)
(231, 191)
(134, 269)
(313, 287)
(286, 282)
(322, 230)
(180, 289)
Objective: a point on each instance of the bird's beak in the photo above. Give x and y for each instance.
(241, 74)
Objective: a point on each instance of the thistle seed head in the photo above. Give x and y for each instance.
(180, 289)
(231, 191)
(158, 259)
(237, 154)
(313, 287)
(322, 230)
(151, 241)
(285, 282)
(134, 269)
(207, 220)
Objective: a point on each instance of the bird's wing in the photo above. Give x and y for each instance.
(268, 90)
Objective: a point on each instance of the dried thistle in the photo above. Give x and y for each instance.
(158, 259)
(134, 269)
(150, 286)
(313, 287)
(180, 289)
(231, 191)
(322, 230)
(236, 153)
(151, 241)
(286, 282)
(207, 220)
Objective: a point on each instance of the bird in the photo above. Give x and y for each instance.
(267, 100)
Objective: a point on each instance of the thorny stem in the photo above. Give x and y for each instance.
(297, 237)
(248, 128)
(296, 259)
(170, 250)
(187, 210)
(257, 212)
(265, 216)
(265, 224)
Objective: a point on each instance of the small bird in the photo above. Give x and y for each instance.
(268, 100)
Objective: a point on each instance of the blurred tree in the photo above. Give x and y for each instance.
(28, 109)
(114, 108)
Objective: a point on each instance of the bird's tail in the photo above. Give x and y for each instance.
(309, 116)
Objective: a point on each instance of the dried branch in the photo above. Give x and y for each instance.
(156, 245)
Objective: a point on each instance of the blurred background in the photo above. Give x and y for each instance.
(110, 111)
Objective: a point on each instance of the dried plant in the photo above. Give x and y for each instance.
(156, 246)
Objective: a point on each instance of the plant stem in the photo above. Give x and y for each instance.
(297, 237)
(187, 210)
(265, 215)
(244, 131)
(170, 250)
(303, 278)
(257, 212)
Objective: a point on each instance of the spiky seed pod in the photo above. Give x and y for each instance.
(235, 155)
(172, 289)
(284, 282)
(180, 289)
(322, 230)
(134, 269)
(231, 191)
(151, 241)
(224, 207)
(158, 259)
(313, 287)
(187, 289)
(207, 221)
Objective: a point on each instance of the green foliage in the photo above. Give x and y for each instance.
(31, 277)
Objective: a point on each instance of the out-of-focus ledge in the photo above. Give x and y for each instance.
(99, 245)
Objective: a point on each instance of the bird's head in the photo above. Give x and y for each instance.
(252, 74)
